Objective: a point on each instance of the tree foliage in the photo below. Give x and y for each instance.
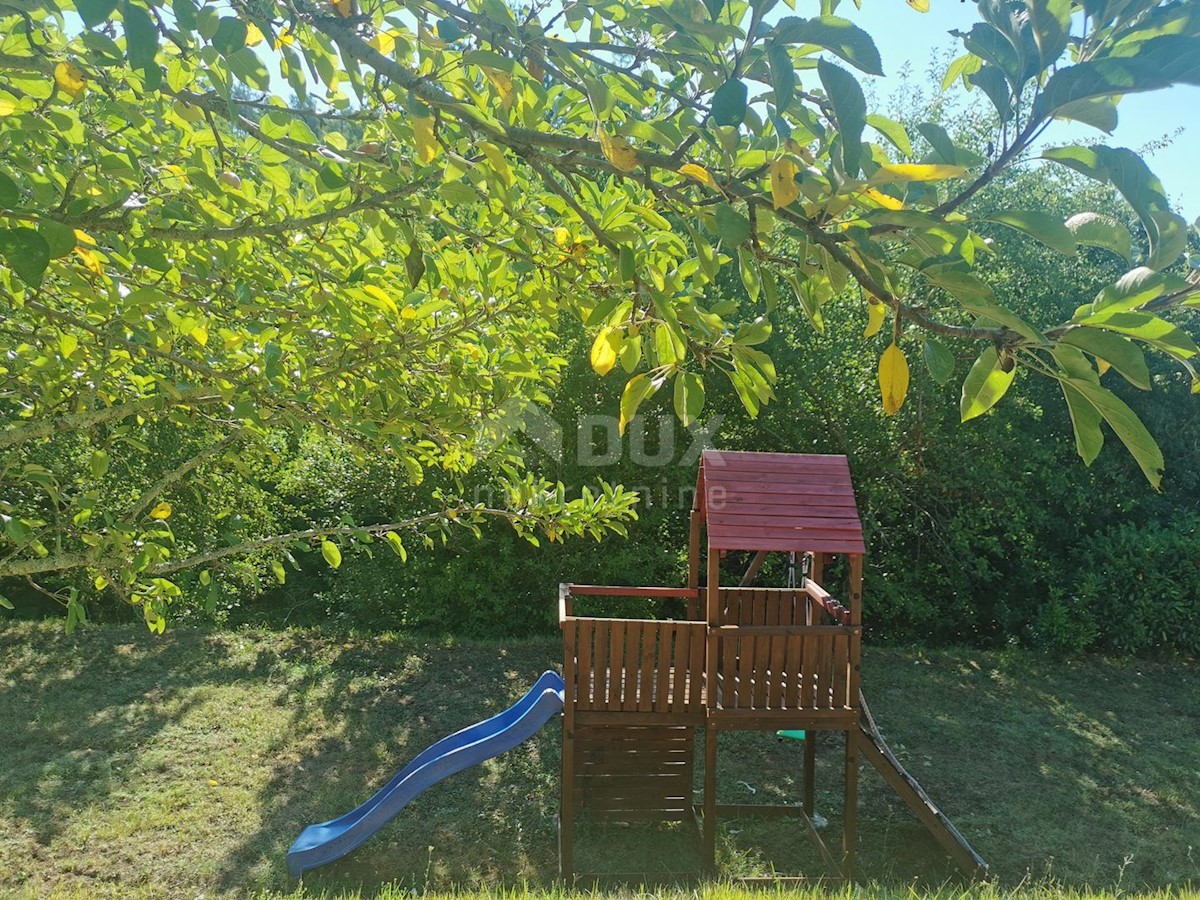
(384, 256)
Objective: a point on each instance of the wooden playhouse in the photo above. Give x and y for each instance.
(745, 658)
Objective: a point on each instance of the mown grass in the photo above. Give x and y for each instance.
(184, 765)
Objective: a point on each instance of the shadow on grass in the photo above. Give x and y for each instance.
(193, 760)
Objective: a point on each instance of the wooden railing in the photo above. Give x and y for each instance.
(624, 666)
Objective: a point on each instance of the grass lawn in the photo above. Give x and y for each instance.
(185, 765)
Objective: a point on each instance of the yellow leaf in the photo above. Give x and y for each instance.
(503, 84)
(70, 78)
(887, 201)
(893, 378)
(8, 106)
(784, 189)
(384, 298)
(90, 261)
(344, 7)
(84, 238)
(916, 172)
(285, 38)
(254, 35)
(876, 313)
(921, 6)
(700, 174)
(384, 42)
(199, 334)
(562, 237)
(427, 145)
(212, 782)
(496, 157)
(1102, 365)
(605, 350)
(161, 511)
(425, 36)
(618, 151)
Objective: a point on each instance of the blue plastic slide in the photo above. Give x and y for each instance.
(323, 843)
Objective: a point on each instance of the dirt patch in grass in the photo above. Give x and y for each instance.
(186, 764)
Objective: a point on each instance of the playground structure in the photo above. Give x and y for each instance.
(634, 691)
(746, 658)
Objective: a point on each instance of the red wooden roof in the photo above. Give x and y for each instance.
(778, 501)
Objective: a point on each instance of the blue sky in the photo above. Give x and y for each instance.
(905, 36)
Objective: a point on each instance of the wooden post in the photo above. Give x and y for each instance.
(709, 852)
(850, 807)
(810, 773)
(566, 809)
(856, 579)
(694, 550)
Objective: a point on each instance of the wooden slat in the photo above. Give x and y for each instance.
(616, 658)
(783, 528)
(728, 643)
(717, 461)
(633, 659)
(778, 672)
(750, 501)
(745, 671)
(649, 641)
(662, 662)
(606, 590)
(600, 665)
(808, 671)
(824, 670)
(741, 540)
(791, 515)
(794, 650)
(762, 652)
(586, 675)
(696, 668)
(718, 494)
(570, 658)
(841, 670)
(679, 665)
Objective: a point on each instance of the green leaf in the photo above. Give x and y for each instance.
(95, 12)
(1085, 421)
(332, 554)
(1136, 288)
(1154, 331)
(835, 34)
(251, 70)
(1094, 230)
(732, 226)
(26, 253)
(993, 83)
(850, 111)
(397, 545)
(230, 36)
(636, 390)
(729, 103)
(279, 572)
(1127, 426)
(626, 264)
(1127, 171)
(967, 64)
(751, 333)
(938, 360)
(1118, 351)
(783, 75)
(449, 31)
(689, 397)
(99, 463)
(1159, 63)
(6, 603)
(9, 194)
(751, 278)
(60, 238)
(141, 36)
(667, 345)
(1099, 112)
(1046, 228)
(1050, 21)
(984, 385)
(1172, 238)
(891, 130)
